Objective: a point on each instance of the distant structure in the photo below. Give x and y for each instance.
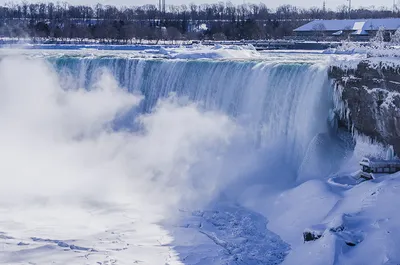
(355, 29)
(349, 9)
(374, 167)
(161, 6)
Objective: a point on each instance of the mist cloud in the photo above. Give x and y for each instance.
(58, 145)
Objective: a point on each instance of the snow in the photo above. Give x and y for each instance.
(79, 43)
(387, 96)
(299, 208)
(75, 191)
(194, 51)
(359, 26)
(375, 58)
(364, 215)
(211, 52)
(225, 234)
(73, 235)
(380, 54)
(172, 51)
(238, 236)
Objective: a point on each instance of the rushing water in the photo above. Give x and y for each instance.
(163, 134)
(282, 105)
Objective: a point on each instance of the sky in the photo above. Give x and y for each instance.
(332, 4)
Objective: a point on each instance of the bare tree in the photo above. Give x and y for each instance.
(106, 23)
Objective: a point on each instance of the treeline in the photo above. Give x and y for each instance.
(217, 21)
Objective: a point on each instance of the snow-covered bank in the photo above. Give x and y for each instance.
(362, 227)
(369, 49)
(358, 225)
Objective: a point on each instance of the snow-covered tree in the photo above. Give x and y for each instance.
(378, 41)
(395, 38)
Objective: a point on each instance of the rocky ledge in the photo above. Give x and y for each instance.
(368, 99)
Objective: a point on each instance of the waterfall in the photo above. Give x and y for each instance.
(139, 139)
(281, 104)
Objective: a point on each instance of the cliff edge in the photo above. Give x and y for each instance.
(369, 99)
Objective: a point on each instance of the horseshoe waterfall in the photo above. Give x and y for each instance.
(114, 158)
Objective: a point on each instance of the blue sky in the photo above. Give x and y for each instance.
(304, 3)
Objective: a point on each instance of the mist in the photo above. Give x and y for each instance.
(60, 146)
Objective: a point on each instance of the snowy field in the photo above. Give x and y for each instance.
(229, 166)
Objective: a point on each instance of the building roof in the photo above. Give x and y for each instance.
(376, 162)
(358, 26)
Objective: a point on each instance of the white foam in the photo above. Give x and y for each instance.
(212, 52)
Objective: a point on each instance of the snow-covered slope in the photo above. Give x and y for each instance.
(358, 225)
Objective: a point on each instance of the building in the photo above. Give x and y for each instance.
(357, 29)
(373, 167)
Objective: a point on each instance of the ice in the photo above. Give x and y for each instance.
(212, 52)
(193, 51)
(230, 234)
(95, 236)
(115, 157)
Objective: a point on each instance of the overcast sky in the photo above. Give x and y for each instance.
(333, 4)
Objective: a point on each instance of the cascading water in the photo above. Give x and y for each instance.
(282, 106)
(130, 141)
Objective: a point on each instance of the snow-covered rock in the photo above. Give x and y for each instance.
(369, 97)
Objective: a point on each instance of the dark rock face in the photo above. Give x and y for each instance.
(371, 95)
(311, 236)
(346, 235)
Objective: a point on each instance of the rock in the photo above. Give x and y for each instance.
(310, 236)
(347, 236)
(337, 229)
(372, 97)
(351, 244)
(314, 233)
